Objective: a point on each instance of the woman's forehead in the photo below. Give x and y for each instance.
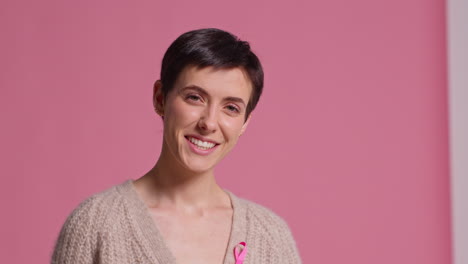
(216, 81)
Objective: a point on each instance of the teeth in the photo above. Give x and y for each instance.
(201, 144)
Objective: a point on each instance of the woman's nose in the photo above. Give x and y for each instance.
(208, 121)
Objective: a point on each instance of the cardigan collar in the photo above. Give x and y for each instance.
(155, 246)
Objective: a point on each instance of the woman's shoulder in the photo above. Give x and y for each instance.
(101, 202)
(262, 214)
(79, 235)
(94, 211)
(263, 218)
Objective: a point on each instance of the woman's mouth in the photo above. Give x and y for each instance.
(200, 144)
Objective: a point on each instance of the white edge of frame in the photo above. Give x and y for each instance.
(457, 37)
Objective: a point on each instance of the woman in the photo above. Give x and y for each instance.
(177, 213)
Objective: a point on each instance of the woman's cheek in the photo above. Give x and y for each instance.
(181, 109)
(233, 125)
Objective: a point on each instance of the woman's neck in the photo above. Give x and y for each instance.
(170, 185)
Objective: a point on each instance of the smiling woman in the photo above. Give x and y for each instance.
(177, 213)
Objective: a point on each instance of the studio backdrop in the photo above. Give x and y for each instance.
(349, 143)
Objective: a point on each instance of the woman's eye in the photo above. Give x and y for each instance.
(233, 108)
(193, 97)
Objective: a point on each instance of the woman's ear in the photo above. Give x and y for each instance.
(158, 98)
(246, 123)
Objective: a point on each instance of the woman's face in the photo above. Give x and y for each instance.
(204, 115)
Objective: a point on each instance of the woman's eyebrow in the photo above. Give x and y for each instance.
(234, 99)
(204, 92)
(196, 88)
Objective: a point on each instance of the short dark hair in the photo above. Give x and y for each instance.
(216, 48)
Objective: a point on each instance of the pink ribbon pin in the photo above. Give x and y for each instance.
(239, 256)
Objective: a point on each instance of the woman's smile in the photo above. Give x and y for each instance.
(201, 146)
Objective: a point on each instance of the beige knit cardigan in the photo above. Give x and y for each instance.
(115, 226)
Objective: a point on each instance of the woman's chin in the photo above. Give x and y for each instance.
(199, 167)
(198, 164)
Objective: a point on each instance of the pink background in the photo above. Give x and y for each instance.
(348, 144)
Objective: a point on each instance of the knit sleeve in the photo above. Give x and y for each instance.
(290, 253)
(78, 238)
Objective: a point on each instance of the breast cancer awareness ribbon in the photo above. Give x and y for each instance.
(239, 256)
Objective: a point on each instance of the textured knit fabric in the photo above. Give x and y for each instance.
(115, 227)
